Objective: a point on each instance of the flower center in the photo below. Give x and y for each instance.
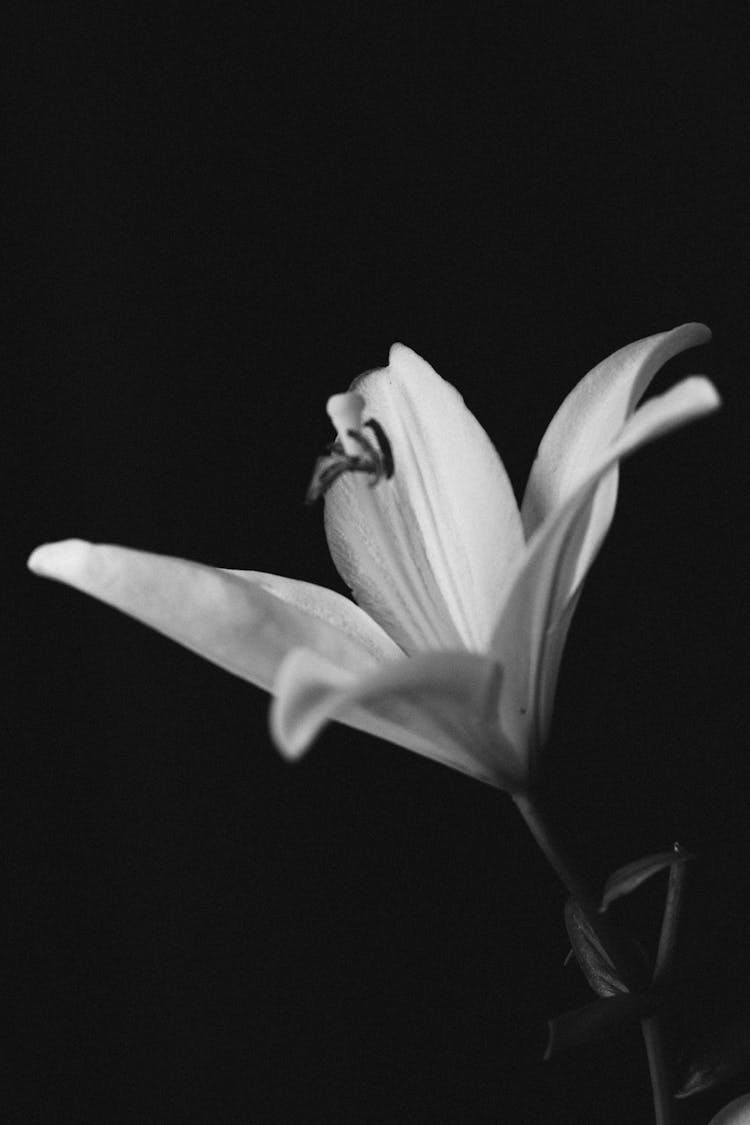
(386, 570)
(353, 451)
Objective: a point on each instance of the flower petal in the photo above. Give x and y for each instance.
(425, 552)
(736, 1113)
(441, 705)
(243, 626)
(589, 420)
(328, 606)
(543, 593)
(593, 415)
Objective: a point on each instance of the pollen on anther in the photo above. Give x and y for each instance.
(386, 453)
(353, 451)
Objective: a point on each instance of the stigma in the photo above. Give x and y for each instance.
(354, 451)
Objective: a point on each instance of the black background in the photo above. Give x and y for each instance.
(213, 221)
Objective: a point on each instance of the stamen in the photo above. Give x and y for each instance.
(364, 443)
(330, 468)
(385, 446)
(352, 452)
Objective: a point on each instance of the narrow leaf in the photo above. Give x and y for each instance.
(628, 878)
(590, 954)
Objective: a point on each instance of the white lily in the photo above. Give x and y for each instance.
(462, 601)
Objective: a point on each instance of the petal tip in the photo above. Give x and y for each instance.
(290, 748)
(402, 353)
(57, 560)
(697, 332)
(706, 395)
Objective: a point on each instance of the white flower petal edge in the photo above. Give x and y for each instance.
(529, 636)
(593, 414)
(736, 1113)
(246, 624)
(589, 419)
(329, 607)
(442, 705)
(425, 552)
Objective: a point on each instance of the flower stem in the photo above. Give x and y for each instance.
(657, 1066)
(622, 958)
(670, 921)
(616, 949)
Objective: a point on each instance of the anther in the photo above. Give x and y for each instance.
(353, 451)
(385, 447)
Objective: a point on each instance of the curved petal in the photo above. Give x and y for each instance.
(425, 552)
(589, 420)
(328, 606)
(240, 625)
(736, 1113)
(593, 415)
(535, 618)
(441, 705)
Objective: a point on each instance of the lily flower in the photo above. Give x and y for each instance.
(462, 601)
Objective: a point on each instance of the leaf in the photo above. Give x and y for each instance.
(717, 1056)
(628, 878)
(590, 954)
(594, 1021)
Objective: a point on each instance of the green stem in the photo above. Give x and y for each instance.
(657, 1067)
(621, 957)
(670, 920)
(617, 951)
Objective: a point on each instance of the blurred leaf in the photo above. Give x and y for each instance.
(628, 878)
(590, 954)
(715, 1057)
(594, 1021)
